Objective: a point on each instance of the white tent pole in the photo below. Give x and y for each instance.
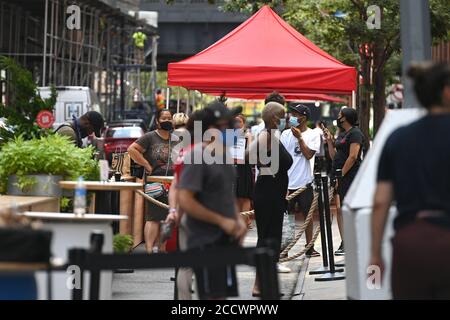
(353, 99)
(167, 97)
(178, 100)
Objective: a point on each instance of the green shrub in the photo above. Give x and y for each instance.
(122, 243)
(53, 154)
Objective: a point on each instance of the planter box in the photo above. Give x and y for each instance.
(46, 186)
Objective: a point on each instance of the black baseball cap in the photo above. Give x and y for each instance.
(97, 121)
(302, 109)
(219, 111)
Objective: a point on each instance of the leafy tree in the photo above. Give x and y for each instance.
(24, 103)
(339, 27)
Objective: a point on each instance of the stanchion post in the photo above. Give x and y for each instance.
(338, 175)
(77, 258)
(323, 237)
(97, 239)
(266, 268)
(334, 273)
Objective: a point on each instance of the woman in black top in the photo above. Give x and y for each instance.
(272, 182)
(414, 171)
(346, 153)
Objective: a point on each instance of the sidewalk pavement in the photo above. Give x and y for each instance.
(155, 284)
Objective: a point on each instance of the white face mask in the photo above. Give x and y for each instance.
(282, 124)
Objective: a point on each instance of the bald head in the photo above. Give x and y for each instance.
(271, 113)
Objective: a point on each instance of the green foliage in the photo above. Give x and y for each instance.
(24, 103)
(122, 243)
(53, 154)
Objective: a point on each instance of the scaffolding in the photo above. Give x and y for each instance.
(34, 32)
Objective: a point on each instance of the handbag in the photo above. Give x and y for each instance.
(117, 160)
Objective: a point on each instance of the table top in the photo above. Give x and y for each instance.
(162, 179)
(89, 217)
(6, 202)
(102, 186)
(22, 266)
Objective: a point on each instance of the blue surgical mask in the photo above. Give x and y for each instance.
(282, 124)
(293, 121)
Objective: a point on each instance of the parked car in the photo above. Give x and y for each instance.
(119, 136)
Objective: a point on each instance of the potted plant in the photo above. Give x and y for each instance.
(122, 244)
(35, 167)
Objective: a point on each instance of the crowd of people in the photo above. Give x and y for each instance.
(277, 158)
(205, 199)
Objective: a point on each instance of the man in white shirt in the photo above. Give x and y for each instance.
(302, 143)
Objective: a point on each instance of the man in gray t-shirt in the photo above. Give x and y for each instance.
(205, 194)
(213, 188)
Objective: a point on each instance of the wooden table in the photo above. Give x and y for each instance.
(25, 203)
(102, 186)
(127, 204)
(161, 179)
(70, 231)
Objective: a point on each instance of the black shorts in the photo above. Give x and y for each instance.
(301, 202)
(217, 282)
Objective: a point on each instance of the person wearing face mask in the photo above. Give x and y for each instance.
(302, 143)
(346, 153)
(78, 129)
(153, 152)
(205, 195)
(272, 184)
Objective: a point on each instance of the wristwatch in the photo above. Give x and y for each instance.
(172, 210)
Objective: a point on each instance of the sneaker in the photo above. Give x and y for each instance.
(312, 253)
(340, 251)
(283, 269)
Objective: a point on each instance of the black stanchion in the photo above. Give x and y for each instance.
(262, 258)
(77, 257)
(323, 238)
(97, 239)
(338, 175)
(335, 274)
(266, 268)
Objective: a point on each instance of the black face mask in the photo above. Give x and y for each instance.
(339, 123)
(166, 125)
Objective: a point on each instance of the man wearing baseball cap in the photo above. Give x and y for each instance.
(302, 143)
(78, 129)
(205, 194)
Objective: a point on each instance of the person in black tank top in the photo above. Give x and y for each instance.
(414, 172)
(272, 182)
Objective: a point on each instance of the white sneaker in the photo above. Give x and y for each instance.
(283, 269)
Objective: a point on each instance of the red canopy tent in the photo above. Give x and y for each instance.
(287, 96)
(263, 54)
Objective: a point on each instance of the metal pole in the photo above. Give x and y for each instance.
(122, 76)
(266, 270)
(97, 239)
(77, 258)
(44, 64)
(415, 41)
(167, 97)
(178, 100)
(334, 274)
(323, 237)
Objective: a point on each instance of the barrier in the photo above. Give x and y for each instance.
(94, 262)
(333, 273)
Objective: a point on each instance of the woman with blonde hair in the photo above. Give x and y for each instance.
(180, 120)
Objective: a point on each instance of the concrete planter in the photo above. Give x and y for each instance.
(46, 186)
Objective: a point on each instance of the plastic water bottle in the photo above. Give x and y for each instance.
(79, 205)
